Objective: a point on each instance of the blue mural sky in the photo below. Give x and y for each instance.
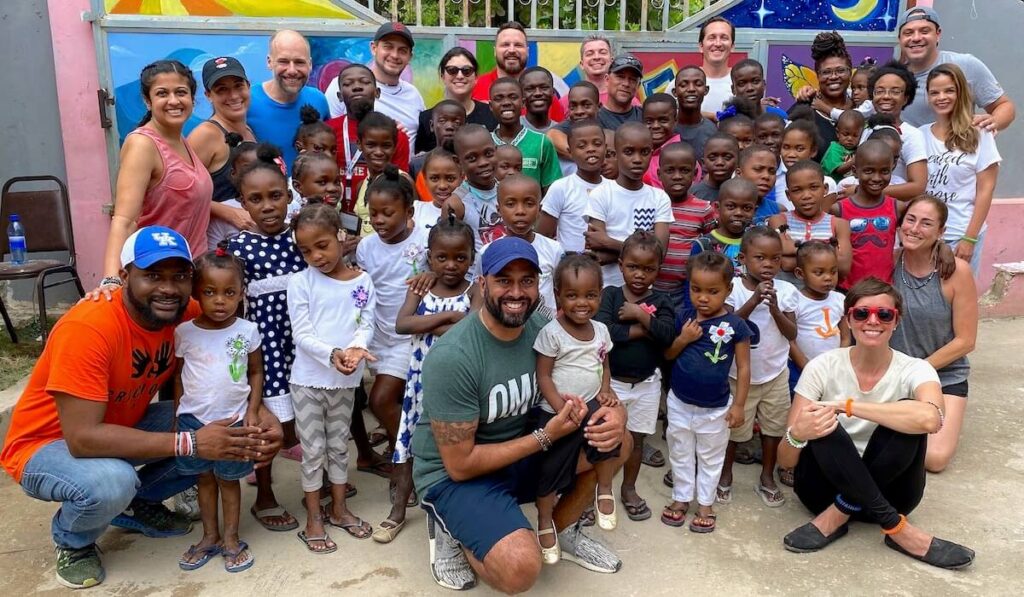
(843, 15)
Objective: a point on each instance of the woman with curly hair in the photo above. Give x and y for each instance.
(834, 67)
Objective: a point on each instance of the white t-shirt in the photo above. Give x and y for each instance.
(390, 265)
(830, 376)
(566, 201)
(579, 364)
(402, 102)
(481, 213)
(549, 253)
(769, 349)
(780, 187)
(624, 212)
(913, 150)
(719, 92)
(328, 314)
(215, 369)
(953, 177)
(817, 323)
(425, 215)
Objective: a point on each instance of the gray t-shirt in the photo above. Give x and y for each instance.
(697, 135)
(469, 375)
(984, 86)
(613, 120)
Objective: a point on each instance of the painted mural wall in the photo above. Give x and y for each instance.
(842, 15)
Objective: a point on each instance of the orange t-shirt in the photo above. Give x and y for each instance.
(95, 352)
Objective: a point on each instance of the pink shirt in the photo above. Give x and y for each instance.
(651, 177)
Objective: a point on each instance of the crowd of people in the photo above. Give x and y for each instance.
(520, 287)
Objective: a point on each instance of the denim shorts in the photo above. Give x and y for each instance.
(227, 470)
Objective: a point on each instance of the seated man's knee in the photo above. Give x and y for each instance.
(110, 487)
(514, 563)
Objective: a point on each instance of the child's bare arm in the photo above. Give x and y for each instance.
(797, 356)
(545, 366)
(255, 374)
(606, 396)
(735, 415)
(547, 225)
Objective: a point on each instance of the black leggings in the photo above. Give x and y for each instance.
(886, 482)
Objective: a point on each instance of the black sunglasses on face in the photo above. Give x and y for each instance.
(454, 70)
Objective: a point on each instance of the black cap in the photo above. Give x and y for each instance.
(394, 28)
(217, 68)
(624, 61)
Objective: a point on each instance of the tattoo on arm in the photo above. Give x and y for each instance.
(452, 433)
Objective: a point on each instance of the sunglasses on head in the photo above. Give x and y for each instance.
(454, 70)
(884, 314)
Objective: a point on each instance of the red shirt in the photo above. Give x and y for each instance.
(692, 219)
(873, 236)
(482, 93)
(352, 180)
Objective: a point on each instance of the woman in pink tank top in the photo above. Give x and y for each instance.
(161, 180)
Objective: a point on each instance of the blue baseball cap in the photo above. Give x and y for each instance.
(506, 250)
(152, 244)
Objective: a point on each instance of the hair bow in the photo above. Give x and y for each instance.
(726, 113)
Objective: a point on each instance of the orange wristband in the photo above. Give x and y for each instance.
(899, 526)
(849, 407)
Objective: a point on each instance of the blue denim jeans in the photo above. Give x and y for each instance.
(92, 491)
(976, 256)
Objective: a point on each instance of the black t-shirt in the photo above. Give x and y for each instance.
(425, 139)
(636, 358)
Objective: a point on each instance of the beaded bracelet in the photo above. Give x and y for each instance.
(193, 444)
(543, 439)
(942, 416)
(111, 281)
(799, 445)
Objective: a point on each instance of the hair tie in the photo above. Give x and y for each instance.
(882, 127)
(220, 252)
(280, 164)
(726, 113)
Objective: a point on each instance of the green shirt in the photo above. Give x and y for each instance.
(540, 162)
(469, 375)
(834, 157)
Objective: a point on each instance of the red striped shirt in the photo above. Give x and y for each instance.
(693, 217)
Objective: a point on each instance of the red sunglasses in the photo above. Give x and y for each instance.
(884, 314)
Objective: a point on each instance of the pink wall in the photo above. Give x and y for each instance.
(1004, 242)
(74, 56)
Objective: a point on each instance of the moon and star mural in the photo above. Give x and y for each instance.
(842, 15)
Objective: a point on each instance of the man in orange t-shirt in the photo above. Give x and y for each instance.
(86, 420)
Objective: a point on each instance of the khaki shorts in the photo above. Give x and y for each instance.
(769, 402)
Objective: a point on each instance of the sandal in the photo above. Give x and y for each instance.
(606, 521)
(387, 531)
(652, 457)
(707, 526)
(377, 437)
(786, 476)
(412, 502)
(773, 498)
(723, 494)
(674, 518)
(292, 453)
(668, 480)
(550, 555)
(275, 512)
(637, 511)
(381, 468)
(207, 554)
(329, 545)
(357, 528)
(588, 518)
(238, 566)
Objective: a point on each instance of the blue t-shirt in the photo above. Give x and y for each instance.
(274, 122)
(766, 208)
(700, 374)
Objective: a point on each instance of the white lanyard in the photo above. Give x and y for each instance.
(350, 160)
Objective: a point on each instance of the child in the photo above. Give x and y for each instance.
(220, 377)
(693, 217)
(701, 405)
(270, 258)
(313, 135)
(808, 220)
(720, 154)
(838, 160)
(477, 196)
(610, 169)
(739, 127)
(640, 323)
(660, 119)
(583, 103)
(446, 117)
(538, 94)
(393, 255)
(619, 208)
(539, 159)
(563, 211)
(428, 316)
(689, 89)
(872, 215)
(891, 137)
(769, 306)
(759, 165)
(315, 177)
(377, 141)
(507, 159)
(859, 92)
(572, 355)
(768, 129)
(443, 176)
(242, 154)
(331, 306)
(519, 204)
(748, 82)
(736, 205)
(799, 142)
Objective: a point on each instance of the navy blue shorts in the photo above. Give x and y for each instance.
(227, 470)
(482, 511)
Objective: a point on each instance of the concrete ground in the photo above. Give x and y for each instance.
(976, 502)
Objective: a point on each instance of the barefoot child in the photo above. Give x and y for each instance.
(768, 305)
(572, 353)
(426, 317)
(220, 378)
(701, 407)
(331, 307)
(563, 211)
(720, 154)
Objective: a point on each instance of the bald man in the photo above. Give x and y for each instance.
(274, 109)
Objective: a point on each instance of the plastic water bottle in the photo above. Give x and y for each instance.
(16, 240)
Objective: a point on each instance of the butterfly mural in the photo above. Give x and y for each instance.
(797, 76)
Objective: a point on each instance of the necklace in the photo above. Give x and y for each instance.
(903, 276)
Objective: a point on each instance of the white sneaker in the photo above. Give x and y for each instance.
(448, 564)
(582, 550)
(186, 503)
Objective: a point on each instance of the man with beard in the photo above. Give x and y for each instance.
(511, 53)
(85, 420)
(716, 40)
(358, 91)
(275, 105)
(478, 445)
(391, 49)
(623, 80)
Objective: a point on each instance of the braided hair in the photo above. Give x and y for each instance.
(829, 44)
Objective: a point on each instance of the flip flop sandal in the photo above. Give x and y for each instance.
(381, 469)
(607, 522)
(668, 516)
(275, 511)
(773, 498)
(668, 480)
(377, 437)
(786, 476)
(723, 494)
(652, 457)
(292, 453)
(250, 479)
(352, 527)
(412, 502)
(703, 528)
(588, 518)
(207, 554)
(637, 511)
(329, 546)
(238, 566)
(387, 531)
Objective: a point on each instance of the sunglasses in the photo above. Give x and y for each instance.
(884, 314)
(465, 70)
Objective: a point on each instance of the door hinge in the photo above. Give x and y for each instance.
(104, 100)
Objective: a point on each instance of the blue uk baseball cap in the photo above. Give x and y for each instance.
(506, 250)
(152, 244)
